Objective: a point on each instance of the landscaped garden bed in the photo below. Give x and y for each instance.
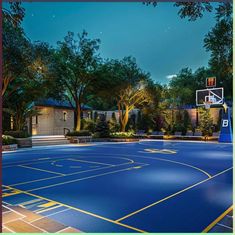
(79, 137)
(8, 143)
(22, 138)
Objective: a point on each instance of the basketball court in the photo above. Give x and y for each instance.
(146, 186)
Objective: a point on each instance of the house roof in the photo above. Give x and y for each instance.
(58, 103)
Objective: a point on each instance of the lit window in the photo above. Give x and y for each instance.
(65, 116)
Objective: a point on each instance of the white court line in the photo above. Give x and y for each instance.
(222, 225)
(54, 213)
(187, 141)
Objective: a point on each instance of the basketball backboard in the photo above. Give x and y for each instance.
(211, 96)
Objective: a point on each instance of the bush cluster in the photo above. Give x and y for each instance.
(122, 135)
(79, 133)
(7, 140)
(17, 134)
(102, 129)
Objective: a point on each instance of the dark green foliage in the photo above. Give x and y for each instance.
(113, 124)
(145, 123)
(74, 69)
(219, 43)
(159, 122)
(193, 10)
(187, 121)
(7, 140)
(95, 116)
(131, 125)
(15, 14)
(17, 134)
(102, 129)
(79, 133)
(139, 119)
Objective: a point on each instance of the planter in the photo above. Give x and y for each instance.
(79, 139)
(10, 147)
(24, 142)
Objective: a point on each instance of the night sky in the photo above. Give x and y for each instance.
(158, 38)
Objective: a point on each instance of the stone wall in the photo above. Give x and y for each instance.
(52, 121)
(63, 118)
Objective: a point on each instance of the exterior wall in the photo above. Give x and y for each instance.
(43, 123)
(51, 121)
(63, 118)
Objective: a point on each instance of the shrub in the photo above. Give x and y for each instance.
(17, 134)
(113, 124)
(78, 133)
(88, 124)
(206, 122)
(102, 129)
(6, 140)
(122, 134)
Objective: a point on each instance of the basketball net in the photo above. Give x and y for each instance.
(207, 104)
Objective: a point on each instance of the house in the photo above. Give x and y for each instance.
(55, 117)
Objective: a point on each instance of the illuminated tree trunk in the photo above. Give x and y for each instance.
(5, 84)
(124, 119)
(78, 118)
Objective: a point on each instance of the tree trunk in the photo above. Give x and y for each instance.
(78, 118)
(124, 120)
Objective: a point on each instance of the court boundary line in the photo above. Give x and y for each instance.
(180, 163)
(225, 226)
(29, 162)
(39, 169)
(183, 141)
(213, 223)
(80, 210)
(54, 213)
(172, 195)
(41, 210)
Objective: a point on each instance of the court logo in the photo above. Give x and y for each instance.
(225, 123)
(163, 151)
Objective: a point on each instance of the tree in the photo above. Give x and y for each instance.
(206, 122)
(125, 83)
(183, 87)
(20, 104)
(191, 10)
(16, 53)
(219, 43)
(15, 14)
(128, 99)
(151, 112)
(74, 69)
(102, 129)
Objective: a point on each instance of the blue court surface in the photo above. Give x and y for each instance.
(146, 186)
